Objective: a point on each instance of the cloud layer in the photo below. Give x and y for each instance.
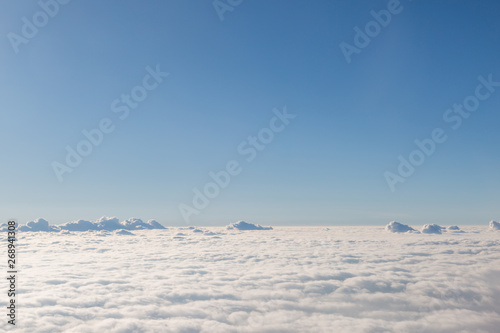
(290, 279)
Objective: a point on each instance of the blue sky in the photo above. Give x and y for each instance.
(225, 78)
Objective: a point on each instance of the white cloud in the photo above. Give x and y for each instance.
(79, 225)
(103, 224)
(242, 225)
(290, 279)
(432, 229)
(123, 232)
(398, 227)
(494, 225)
(38, 225)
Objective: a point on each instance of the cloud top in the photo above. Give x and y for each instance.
(242, 225)
(38, 225)
(494, 225)
(102, 224)
(79, 225)
(432, 229)
(398, 227)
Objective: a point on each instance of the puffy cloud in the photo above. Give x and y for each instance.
(399, 227)
(494, 225)
(432, 229)
(242, 225)
(137, 224)
(102, 224)
(454, 229)
(79, 225)
(109, 224)
(38, 225)
(123, 232)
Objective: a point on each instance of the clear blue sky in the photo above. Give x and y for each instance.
(225, 78)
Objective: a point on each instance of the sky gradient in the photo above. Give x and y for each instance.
(225, 77)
